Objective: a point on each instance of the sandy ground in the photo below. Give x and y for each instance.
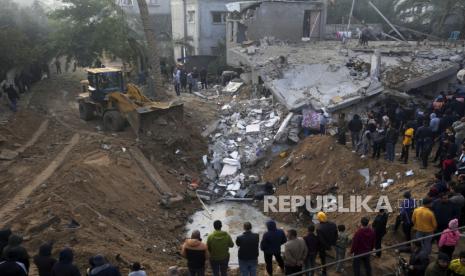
(78, 186)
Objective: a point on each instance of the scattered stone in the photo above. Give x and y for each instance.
(7, 154)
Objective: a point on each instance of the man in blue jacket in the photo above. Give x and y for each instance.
(271, 246)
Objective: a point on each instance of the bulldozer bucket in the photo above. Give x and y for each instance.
(148, 120)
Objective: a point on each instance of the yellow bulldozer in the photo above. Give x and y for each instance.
(105, 95)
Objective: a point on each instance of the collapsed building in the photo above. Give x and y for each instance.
(279, 47)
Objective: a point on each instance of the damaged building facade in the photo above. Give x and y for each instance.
(279, 45)
(199, 27)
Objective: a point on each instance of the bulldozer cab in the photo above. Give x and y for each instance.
(103, 81)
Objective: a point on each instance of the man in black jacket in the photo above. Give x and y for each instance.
(11, 266)
(327, 236)
(14, 243)
(44, 260)
(65, 265)
(355, 127)
(379, 225)
(248, 251)
(424, 141)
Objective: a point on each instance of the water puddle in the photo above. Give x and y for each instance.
(232, 215)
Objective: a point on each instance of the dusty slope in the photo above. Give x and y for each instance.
(104, 191)
(322, 166)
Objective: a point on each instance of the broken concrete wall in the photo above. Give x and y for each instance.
(284, 20)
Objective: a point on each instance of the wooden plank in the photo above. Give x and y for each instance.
(150, 171)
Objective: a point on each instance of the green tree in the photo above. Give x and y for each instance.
(25, 33)
(87, 29)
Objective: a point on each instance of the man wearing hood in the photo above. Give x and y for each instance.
(196, 253)
(65, 266)
(4, 236)
(327, 235)
(271, 246)
(218, 244)
(44, 261)
(363, 242)
(102, 267)
(439, 267)
(434, 124)
(11, 266)
(14, 242)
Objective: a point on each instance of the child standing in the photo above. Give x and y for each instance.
(342, 243)
(449, 238)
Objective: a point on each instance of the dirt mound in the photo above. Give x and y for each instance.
(320, 166)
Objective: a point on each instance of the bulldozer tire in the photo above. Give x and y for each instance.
(112, 120)
(86, 111)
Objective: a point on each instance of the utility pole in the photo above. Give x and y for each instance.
(154, 73)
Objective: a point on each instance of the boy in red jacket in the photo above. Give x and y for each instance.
(363, 242)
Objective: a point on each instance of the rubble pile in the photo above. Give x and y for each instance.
(242, 136)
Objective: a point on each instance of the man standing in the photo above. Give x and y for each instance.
(327, 236)
(271, 246)
(196, 253)
(312, 249)
(355, 127)
(379, 225)
(203, 78)
(248, 251)
(218, 244)
(439, 267)
(392, 135)
(424, 139)
(424, 222)
(444, 211)
(58, 66)
(406, 143)
(13, 96)
(295, 252)
(363, 242)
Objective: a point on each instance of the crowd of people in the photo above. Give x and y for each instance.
(15, 261)
(188, 80)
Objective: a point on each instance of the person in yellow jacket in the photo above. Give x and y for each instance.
(457, 266)
(406, 143)
(424, 223)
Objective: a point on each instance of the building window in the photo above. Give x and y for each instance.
(218, 17)
(191, 16)
(127, 3)
(154, 2)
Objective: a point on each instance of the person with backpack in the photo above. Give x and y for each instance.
(218, 244)
(271, 243)
(248, 251)
(196, 253)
